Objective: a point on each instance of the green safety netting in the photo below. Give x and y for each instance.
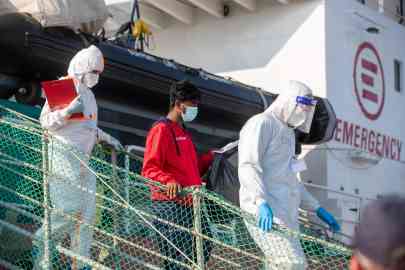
(129, 230)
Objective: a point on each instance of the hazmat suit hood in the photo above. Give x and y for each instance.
(288, 107)
(86, 66)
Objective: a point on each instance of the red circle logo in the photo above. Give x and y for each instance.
(369, 84)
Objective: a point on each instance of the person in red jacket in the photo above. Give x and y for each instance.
(171, 159)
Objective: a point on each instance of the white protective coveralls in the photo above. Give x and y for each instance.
(72, 186)
(266, 153)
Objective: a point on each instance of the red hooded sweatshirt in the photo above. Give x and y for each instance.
(168, 162)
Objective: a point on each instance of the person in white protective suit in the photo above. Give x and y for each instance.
(268, 176)
(72, 186)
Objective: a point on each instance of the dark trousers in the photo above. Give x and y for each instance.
(183, 216)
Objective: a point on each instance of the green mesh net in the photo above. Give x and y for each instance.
(43, 182)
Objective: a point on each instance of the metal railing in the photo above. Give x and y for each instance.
(361, 199)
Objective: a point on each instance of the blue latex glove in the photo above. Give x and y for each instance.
(265, 217)
(328, 218)
(76, 106)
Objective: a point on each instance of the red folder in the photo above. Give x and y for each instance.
(59, 94)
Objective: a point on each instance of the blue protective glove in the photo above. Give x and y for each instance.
(76, 106)
(328, 218)
(265, 217)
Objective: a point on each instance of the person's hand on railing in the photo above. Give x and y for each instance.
(116, 144)
(265, 221)
(173, 189)
(328, 218)
(107, 139)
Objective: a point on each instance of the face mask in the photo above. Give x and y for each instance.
(90, 79)
(190, 114)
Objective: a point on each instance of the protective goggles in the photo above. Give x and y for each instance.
(308, 101)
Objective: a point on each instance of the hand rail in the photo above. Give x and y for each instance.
(361, 200)
(337, 191)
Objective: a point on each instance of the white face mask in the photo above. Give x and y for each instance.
(190, 114)
(90, 79)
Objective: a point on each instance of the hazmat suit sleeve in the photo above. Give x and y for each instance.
(308, 202)
(103, 136)
(156, 150)
(253, 143)
(52, 120)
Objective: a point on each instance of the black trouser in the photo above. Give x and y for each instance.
(183, 216)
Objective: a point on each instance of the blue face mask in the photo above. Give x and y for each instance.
(190, 114)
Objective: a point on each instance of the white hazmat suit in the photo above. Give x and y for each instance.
(266, 174)
(72, 186)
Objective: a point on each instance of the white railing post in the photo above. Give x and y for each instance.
(198, 228)
(46, 203)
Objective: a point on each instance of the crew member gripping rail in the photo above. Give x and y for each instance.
(171, 159)
(72, 186)
(268, 178)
